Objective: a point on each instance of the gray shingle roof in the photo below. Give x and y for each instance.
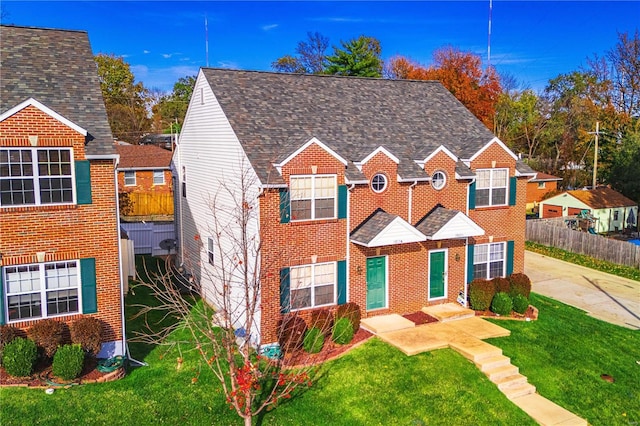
(464, 171)
(372, 226)
(56, 68)
(435, 220)
(353, 116)
(524, 169)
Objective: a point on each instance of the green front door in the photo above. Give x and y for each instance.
(376, 283)
(436, 274)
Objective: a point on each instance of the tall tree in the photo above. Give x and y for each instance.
(170, 110)
(357, 57)
(623, 173)
(125, 100)
(310, 56)
(462, 74)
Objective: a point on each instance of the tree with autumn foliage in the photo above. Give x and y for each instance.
(216, 296)
(461, 73)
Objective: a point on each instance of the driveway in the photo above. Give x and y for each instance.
(603, 296)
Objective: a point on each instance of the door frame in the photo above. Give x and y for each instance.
(446, 274)
(386, 283)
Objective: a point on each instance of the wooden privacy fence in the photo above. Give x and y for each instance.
(149, 204)
(552, 233)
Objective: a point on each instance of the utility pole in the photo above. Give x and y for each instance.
(595, 156)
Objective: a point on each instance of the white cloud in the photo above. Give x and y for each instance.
(146, 51)
(166, 55)
(269, 27)
(229, 65)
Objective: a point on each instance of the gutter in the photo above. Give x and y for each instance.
(410, 200)
(122, 316)
(348, 253)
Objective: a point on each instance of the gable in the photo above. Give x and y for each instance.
(384, 229)
(45, 110)
(313, 141)
(492, 143)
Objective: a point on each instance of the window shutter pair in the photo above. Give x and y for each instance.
(285, 203)
(513, 182)
(83, 182)
(285, 287)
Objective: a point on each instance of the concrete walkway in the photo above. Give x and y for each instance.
(460, 330)
(601, 295)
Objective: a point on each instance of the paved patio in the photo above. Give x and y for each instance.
(460, 330)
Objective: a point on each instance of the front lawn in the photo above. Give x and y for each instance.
(565, 352)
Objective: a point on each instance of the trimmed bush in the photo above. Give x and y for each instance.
(291, 332)
(313, 340)
(342, 331)
(87, 332)
(520, 304)
(519, 284)
(48, 335)
(8, 334)
(19, 357)
(323, 320)
(351, 311)
(481, 294)
(68, 361)
(501, 304)
(502, 285)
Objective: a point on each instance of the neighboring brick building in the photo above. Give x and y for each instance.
(389, 194)
(59, 239)
(144, 172)
(539, 187)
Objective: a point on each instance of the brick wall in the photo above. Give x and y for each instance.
(144, 183)
(65, 232)
(536, 194)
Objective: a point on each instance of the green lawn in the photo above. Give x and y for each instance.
(563, 354)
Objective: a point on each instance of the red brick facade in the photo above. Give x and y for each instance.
(65, 232)
(144, 183)
(301, 243)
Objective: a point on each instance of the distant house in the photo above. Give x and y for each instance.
(386, 193)
(59, 230)
(144, 174)
(539, 186)
(613, 211)
(161, 140)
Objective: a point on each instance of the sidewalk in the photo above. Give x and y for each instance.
(604, 296)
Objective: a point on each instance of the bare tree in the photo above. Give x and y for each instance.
(217, 299)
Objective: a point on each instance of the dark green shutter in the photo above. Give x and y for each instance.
(342, 201)
(342, 282)
(284, 205)
(285, 291)
(513, 183)
(83, 182)
(2, 320)
(510, 251)
(472, 196)
(89, 293)
(469, 263)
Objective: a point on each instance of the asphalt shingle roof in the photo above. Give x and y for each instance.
(524, 169)
(543, 177)
(352, 116)
(602, 198)
(372, 226)
(56, 68)
(435, 220)
(143, 156)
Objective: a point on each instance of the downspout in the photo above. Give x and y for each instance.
(349, 189)
(473, 180)
(410, 200)
(466, 273)
(115, 181)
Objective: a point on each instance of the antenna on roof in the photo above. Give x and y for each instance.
(489, 38)
(206, 39)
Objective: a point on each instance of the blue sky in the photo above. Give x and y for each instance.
(165, 40)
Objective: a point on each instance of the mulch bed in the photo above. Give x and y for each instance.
(530, 315)
(330, 350)
(420, 318)
(42, 372)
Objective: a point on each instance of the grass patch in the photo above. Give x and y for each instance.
(583, 260)
(564, 353)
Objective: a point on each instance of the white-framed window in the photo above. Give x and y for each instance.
(438, 180)
(158, 177)
(379, 182)
(130, 178)
(313, 197)
(491, 187)
(210, 251)
(313, 285)
(184, 181)
(542, 185)
(42, 290)
(489, 260)
(35, 176)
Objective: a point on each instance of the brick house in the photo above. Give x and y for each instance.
(539, 187)
(144, 171)
(59, 240)
(389, 194)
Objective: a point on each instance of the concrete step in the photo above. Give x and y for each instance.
(510, 381)
(519, 390)
(490, 363)
(547, 413)
(448, 312)
(501, 372)
(474, 349)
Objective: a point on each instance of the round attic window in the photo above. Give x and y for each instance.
(379, 182)
(438, 180)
